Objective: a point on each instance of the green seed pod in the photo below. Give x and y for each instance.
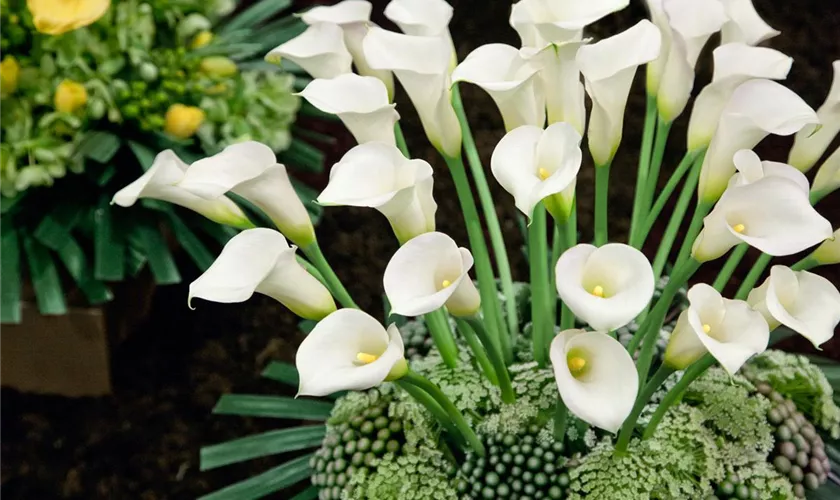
(96, 108)
(796, 475)
(782, 464)
(148, 71)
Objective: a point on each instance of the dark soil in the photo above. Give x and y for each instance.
(143, 441)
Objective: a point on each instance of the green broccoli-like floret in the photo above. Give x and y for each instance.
(422, 475)
(754, 480)
(355, 403)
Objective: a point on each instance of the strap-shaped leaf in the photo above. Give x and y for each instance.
(306, 325)
(310, 493)
(303, 156)
(191, 243)
(54, 229)
(218, 232)
(108, 244)
(260, 445)
(44, 275)
(156, 250)
(266, 483)
(73, 257)
(282, 372)
(145, 156)
(99, 146)
(259, 12)
(279, 32)
(10, 310)
(273, 407)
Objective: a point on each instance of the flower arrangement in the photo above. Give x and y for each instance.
(633, 384)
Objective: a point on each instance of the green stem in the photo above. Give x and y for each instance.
(561, 419)
(662, 130)
(729, 267)
(508, 396)
(434, 408)
(701, 210)
(479, 352)
(310, 269)
(644, 165)
(755, 273)
(540, 295)
(602, 182)
(647, 392)
(569, 233)
(690, 375)
(558, 246)
(805, 264)
(316, 257)
(442, 335)
(400, 138)
(665, 195)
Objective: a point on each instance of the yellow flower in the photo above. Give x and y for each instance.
(55, 17)
(70, 96)
(183, 121)
(9, 71)
(218, 66)
(202, 39)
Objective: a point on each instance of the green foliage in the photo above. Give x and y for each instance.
(536, 394)
(759, 479)
(422, 475)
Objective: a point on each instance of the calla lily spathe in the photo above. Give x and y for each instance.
(596, 377)
(560, 78)
(377, 175)
(349, 351)
(809, 146)
(539, 22)
(537, 165)
(829, 250)
(608, 68)
(360, 102)
(428, 272)
(421, 17)
(161, 182)
(744, 24)
(728, 329)
(260, 260)
(804, 302)
(510, 80)
(421, 64)
(735, 63)
(604, 286)
(320, 51)
(751, 169)
(827, 179)
(756, 109)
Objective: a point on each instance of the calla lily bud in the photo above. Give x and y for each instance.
(428, 272)
(160, 182)
(751, 169)
(829, 251)
(320, 51)
(744, 25)
(421, 64)
(560, 77)
(259, 260)
(510, 80)
(183, 121)
(745, 121)
(804, 302)
(596, 377)
(608, 68)
(772, 214)
(735, 63)
(539, 22)
(360, 102)
(728, 329)
(604, 286)
(537, 165)
(377, 175)
(349, 351)
(250, 169)
(827, 179)
(55, 17)
(809, 146)
(70, 96)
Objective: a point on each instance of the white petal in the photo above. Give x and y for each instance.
(751, 168)
(757, 299)
(828, 175)
(560, 77)
(523, 18)
(369, 175)
(512, 164)
(745, 25)
(684, 346)
(809, 146)
(558, 152)
(215, 175)
(420, 17)
(411, 211)
(560, 21)
(604, 395)
(813, 311)
(320, 51)
(465, 301)
(344, 12)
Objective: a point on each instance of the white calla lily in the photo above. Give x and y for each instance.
(421, 64)
(827, 179)
(772, 214)
(349, 351)
(161, 181)
(259, 260)
(320, 51)
(756, 109)
(428, 272)
(809, 146)
(608, 68)
(829, 250)
(377, 175)
(804, 302)
(744, 25)
(730, 330)
(596, 377)
(734, 63)
(537, 165)
(421, 17)
(545, 21)
(751, 168)
(510, 80)
(560, 77)
(604, 286)
(360, 102)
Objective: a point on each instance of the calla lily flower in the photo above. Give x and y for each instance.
(804, 302)
(560, 77)
(510, 80)
(604, 286)
(735, 63)
(161, 183)
(533, 165)
(349, 351)
(428, 272)
(829, 251)
(596, 377)
(259, 260)
(772, 214)
(320, 51)
(728, 329)
(377, 175)
(421, 17)
(744, 25)
(808, 147)
(608, 68)
(421, 64)
(361, 102)
(828, 176)
(756, 109)
(751, 169)
(545, 21)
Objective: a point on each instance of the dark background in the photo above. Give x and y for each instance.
(143, 441)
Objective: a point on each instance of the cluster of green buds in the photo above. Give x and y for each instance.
(736, 488)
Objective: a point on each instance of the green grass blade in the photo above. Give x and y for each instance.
(191, 243)
(266, 483)
(109, 252)
(73, 257)
(282, 372)
(273, 407)
(254, 15)
(260, 445)
(44, 275)
(310, 493)
(156, 250)
(10, 310)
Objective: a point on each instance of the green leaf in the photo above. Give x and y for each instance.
(191, 243)
(99, 146)
(266, 483)
(108, 244)
(303, 156)
(44, 275)
(54, 229)
(282, 372)
(254, 15)
(306, 325)
(10, 311)
(308, 195)
(156, 250)
(260, 445)
(144, 155)
(273, 407)
(278, 32)
(310, 493)
(73, 257)
(220, 233)
(828, 491)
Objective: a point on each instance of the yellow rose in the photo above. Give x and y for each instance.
(55, 17)
(201, 39)
(9, 71)
(70, 96)
(183, 121)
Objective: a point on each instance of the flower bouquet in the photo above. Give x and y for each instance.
(633, 384)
